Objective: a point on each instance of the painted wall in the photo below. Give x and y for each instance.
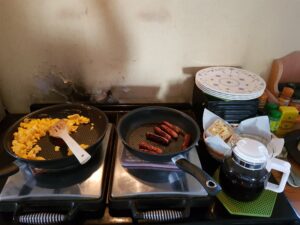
(139, 49)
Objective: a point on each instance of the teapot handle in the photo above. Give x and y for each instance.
(281, 166)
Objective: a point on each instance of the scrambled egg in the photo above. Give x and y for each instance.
(30, 132)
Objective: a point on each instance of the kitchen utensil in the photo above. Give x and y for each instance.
(245, 174)
(59, 160)
(133, 126)
(60, 130)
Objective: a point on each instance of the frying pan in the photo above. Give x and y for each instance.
(134, 125)
(59, 160)
(66, 178)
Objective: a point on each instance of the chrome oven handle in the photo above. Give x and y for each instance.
(161, 215)
(41, 218)
(33, 216)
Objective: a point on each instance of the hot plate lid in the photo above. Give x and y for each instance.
(128, 183)
(162, 192)
(25, 185)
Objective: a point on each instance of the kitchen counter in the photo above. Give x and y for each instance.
(214, 214)
(292, 194)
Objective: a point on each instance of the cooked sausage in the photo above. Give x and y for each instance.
(169, 131)
(186, 141)
(160, 132)
(145, 145)
(156, 138)
(146, 150)
(177, 129)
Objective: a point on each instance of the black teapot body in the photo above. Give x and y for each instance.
(245, 174)
(241, 183)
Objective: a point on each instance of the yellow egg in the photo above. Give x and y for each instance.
(30, 131)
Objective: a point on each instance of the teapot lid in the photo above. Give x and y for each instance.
(251, 151)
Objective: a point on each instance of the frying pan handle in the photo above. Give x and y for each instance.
(9, 170)
(208, 183)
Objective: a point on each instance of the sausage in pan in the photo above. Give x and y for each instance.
(146, 150)
(186, 141)
(156, 138)
(145, 145)
(162, 133)
(169, 131)
(177, 129)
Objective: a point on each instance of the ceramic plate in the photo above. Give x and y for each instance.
(230, 81)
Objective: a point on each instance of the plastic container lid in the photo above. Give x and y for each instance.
(275, 114)
(251, 151)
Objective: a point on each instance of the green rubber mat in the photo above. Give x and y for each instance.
(261, 207)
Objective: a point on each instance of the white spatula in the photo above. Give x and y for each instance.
(60, 130)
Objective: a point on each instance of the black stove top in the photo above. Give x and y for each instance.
(212, 212)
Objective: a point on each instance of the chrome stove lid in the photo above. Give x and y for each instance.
(154, 183)
(80, 183)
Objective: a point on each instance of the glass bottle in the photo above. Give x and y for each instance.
(285, 96)
(274, 118)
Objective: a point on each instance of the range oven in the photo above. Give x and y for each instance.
(117, 188)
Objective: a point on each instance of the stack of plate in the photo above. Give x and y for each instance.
(230, 83)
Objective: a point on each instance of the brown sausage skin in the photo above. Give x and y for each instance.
(177, 129)
(146, 150)
(186, 141)
(162, 133)
(145, 145)
(156, 138)
(169, 131)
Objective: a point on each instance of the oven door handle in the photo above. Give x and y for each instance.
(45, 217)
(41, 218)
(159, 215)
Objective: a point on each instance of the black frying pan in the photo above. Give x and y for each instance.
(133, 126)
(59, 160)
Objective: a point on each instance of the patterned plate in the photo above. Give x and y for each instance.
(228, 96)
(230, 81)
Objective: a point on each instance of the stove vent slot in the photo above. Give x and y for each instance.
(42, 218)
(161, 215)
